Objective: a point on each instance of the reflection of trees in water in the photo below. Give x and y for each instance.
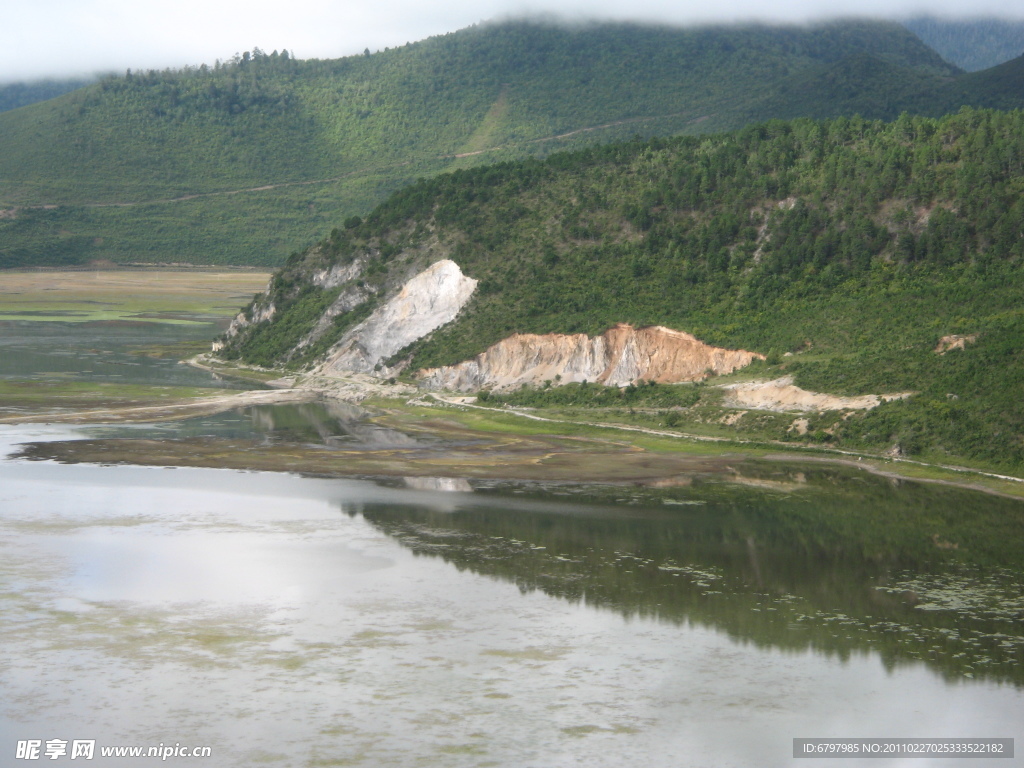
(850, 564)
(324, 423)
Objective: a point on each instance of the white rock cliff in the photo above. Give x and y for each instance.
(426, 302)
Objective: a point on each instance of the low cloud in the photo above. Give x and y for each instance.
(62, 37)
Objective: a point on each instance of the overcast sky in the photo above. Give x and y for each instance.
(63, 37)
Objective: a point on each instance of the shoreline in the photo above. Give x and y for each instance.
(182, 409)
(853, 459)
(573, 450)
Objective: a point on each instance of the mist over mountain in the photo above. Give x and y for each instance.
(971, 44)
(14, 95)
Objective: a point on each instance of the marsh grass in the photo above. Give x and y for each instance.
(153, 296)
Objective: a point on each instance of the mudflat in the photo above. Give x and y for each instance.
(137, 323)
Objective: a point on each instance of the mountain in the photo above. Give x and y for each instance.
(996, 86)
(971, 44)
(867, 85)
(883, 257)
(14, 95)
(247, 161)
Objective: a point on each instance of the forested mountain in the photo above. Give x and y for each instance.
(971, 44)
(14, 95)
(856, 244)
(245, 161)
(866, 85)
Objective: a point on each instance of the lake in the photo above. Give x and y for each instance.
(302, 621)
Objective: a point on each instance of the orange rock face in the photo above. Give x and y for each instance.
(621, 355)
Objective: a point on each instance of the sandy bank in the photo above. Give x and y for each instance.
(782, 395)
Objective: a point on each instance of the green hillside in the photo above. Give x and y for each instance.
(247, 161)
(855, 244)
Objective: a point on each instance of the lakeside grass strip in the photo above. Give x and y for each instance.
(547, 449)
(176, 297)
(677, 442)
(422, 415)
(196, 402)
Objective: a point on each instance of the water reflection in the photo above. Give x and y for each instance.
(444, 484)
(514, 625)
(331, 423)
(847, 564)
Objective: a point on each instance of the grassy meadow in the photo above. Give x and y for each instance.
(155, 296)
(197, 302)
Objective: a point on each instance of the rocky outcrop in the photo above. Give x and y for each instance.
(617, 357)
(954, 341)
(350, 298)
(782, 395)
(259, 313)
(426, 302)
(338, 274)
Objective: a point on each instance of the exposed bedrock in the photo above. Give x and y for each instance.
(339, 274)
(349, 298)
(621, 355)
(260, 313)
(782, 395)
(426, 302)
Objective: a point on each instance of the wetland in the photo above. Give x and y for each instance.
(408, 587)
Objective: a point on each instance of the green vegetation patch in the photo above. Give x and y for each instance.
(844, 250)
(647, 394)
(268, 342)
(248, 160)
(151, 296)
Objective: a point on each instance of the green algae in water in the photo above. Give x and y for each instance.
(623, 631)
(844, 564)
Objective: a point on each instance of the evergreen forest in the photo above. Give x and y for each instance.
(246, 160)
(852, 245)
